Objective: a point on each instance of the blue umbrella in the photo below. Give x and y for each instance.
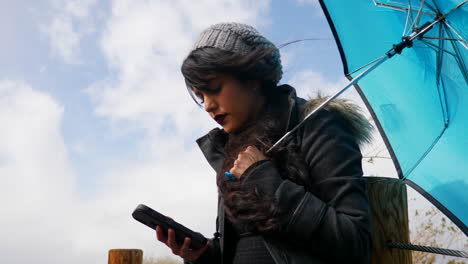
(419, 98)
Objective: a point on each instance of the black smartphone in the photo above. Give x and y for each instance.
(152, 218)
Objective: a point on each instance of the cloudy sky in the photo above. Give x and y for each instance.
(96, 119)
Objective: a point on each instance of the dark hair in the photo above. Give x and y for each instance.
(252, 66)
(247, 209)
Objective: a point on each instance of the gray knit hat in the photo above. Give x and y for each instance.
(242, 39)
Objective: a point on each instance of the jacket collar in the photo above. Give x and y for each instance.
(288, 110)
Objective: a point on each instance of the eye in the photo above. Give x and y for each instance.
(217, 89)
(200, 97)
(213, 86)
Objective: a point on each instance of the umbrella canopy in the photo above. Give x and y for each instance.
(419, 98)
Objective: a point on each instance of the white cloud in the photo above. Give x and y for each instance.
(37, 180)
(180, 185)
(31, 137)
(69, 24)
(40, 211)
(64, 39)
(78, 148)
(76, 8)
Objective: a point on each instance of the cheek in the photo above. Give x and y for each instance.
(243, 105)
(238, 102)
(234, 101)
(249, 103)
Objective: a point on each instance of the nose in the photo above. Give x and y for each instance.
(209, 104)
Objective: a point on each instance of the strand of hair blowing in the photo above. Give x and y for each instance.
(252, 210)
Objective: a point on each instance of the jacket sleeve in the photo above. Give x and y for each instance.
(331, 219)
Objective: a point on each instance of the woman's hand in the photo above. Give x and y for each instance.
(245, 159)
(183, 251)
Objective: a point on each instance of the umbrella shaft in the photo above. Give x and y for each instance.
(407, 41)
(355, 80)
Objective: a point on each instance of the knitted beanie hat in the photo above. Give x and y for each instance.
(242, 39)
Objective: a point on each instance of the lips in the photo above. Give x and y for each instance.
(220, 118)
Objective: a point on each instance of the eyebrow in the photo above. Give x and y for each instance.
(207, 86)
(208, 81)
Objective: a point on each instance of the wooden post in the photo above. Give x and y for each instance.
(125, 256)
(389, 211)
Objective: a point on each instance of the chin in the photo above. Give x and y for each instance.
(229, 129)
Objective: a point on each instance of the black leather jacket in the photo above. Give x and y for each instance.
(328, 220)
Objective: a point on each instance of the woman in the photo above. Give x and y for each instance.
(303, 202)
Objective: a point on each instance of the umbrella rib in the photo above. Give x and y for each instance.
(362, 67)
(400, 8)
(453, 9)
(439, 50)
(462, 40)
(436, 48)
(418, 17)
(441, 88)
(456, 39)
(406, 21)
(458, 57)
(406, 175)
(410, 11)
(433, 8)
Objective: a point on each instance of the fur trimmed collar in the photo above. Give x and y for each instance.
(352, 113)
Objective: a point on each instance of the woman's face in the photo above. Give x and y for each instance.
(232, 103)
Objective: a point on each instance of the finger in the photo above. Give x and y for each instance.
(201, 250)
(160, 234)
(242, 165)
(243, 158)
(255, 154)
(238, 172)
(251, 149)
(185, 249)
(194, 254)
(246, 156)
(235, 171)
(171, 241)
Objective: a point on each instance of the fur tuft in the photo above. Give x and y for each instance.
(352, 113)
